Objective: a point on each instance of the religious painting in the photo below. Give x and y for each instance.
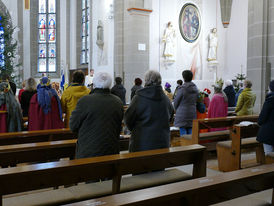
(190, 22)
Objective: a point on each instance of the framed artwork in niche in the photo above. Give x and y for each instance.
(190, 22)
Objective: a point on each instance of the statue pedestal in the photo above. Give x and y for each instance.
(213, 67)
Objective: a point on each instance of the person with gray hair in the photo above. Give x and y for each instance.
(230, 93)
(148, 116)
(97, 119)
(26, 96)
(246, 100)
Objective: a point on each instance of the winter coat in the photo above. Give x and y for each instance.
(97, 119)
(38, 120)
(245, 102)
(70, 98)
(230, 93)
(266, 121)
(120, 91)
(25, 101)
(148, 117)
(185, 105)
(134, 89)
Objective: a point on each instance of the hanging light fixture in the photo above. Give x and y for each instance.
(226, 6)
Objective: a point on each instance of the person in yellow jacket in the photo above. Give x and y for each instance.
(73, 93)
(246, 100)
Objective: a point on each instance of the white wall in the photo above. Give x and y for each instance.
(232, 48)
(103, 60)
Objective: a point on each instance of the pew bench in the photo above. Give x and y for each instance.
(209, 139)
(242, 137)
(12, 138)
(269, 159)
(11, 155)
(115, 167)
(202, 191)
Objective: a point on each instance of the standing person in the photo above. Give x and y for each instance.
(22, 90)
(136, 87)
(89, 78)
(97, 119)
(179, 84)
(119, 90)
(218, 106)
(230, 93)
(185, 104)
(167, 91)
(12, 120)
(148, 116)
(266, 121)
(241, 88)
(73, 93)
(246, 100)
(45, 111)
(27, 95)
(6, 77)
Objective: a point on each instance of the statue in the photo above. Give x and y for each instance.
(100, 35)
(213, 44)
(168, 39)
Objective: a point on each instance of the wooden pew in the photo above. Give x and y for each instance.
(269, 159)
(11, 155)
(220, 122)
(202, 191)
(11, 138)
(242, 137)
(67, 172)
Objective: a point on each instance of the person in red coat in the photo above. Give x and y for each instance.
(45, 110)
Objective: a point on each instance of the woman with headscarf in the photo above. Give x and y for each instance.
(10, 117)
(218, 105)
(45, 111)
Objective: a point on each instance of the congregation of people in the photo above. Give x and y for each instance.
(97, 114)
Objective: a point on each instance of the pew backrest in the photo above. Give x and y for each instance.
(12, 138)
(220, 122)
(201, 191)
(53, 174)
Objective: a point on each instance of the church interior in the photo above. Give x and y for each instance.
(223, 160)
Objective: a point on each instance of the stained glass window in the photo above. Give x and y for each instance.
(47, 36)
(84, 59)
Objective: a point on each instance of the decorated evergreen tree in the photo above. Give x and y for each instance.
(8, 47)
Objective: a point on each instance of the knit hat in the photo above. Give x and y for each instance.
(167, 85)
(207, 91)
(271, 86)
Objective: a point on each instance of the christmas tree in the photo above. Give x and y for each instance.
(8, 47)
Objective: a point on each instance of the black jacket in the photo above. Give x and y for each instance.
(266, 121)
(120, 91)
(148, 117)
(231, 95)
(97, 118)
(25, 101)
(134, 89)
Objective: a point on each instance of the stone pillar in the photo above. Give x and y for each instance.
(131, 49)
(259, 51)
